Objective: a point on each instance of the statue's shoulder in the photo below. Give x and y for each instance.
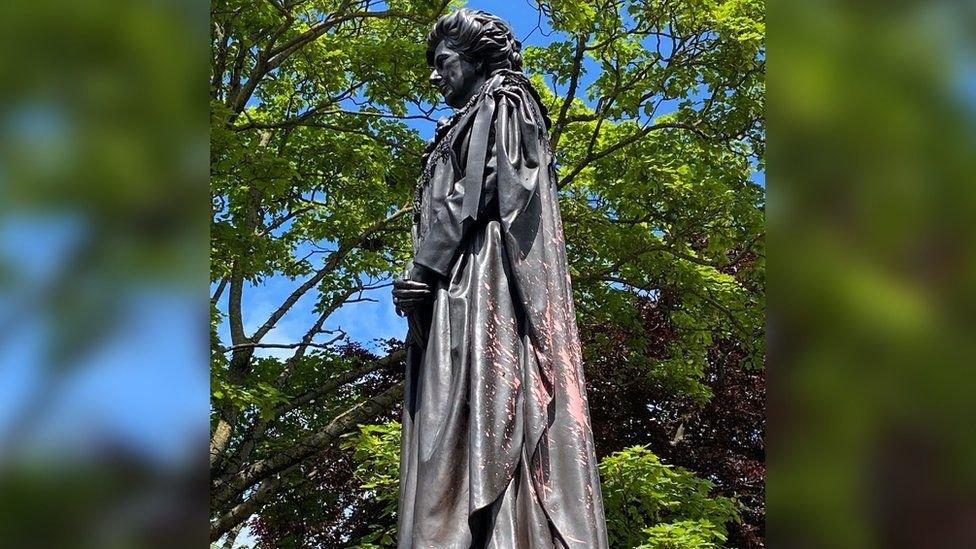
(516, 87)
(508, 81)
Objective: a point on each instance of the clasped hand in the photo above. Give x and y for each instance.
(411, 290)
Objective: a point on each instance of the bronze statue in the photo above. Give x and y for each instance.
(497, 449)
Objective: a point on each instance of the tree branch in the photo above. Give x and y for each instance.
(327, 345)
(330, 265)
(242, 511)
(571, 93)
(219, 291)
(265, 468)
(637, 136)
(343, 379)
(261, 426)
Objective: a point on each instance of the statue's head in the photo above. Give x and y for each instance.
(464, 48)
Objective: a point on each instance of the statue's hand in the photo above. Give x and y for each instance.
(409, 294)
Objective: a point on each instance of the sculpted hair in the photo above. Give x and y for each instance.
(477, 36)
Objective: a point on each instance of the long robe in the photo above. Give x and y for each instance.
(497, 449)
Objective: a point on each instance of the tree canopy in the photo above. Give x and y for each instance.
(318, 110)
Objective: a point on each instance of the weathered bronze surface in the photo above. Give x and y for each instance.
(497, 448)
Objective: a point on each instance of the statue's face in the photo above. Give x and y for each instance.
(456, 77)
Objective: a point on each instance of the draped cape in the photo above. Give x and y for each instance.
(497, 448)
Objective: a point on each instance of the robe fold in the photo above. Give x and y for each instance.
(497, 449)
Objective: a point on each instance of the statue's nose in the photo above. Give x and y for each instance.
(435, 79)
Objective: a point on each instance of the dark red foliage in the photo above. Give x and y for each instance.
(721, 440)
(326, 507)
(314, 514)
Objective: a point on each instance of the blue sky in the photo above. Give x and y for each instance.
(144, 385)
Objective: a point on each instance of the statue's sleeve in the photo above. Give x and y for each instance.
(506, 158)
(518, 160)
(447, 230)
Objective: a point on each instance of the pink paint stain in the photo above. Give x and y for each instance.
(576, 406)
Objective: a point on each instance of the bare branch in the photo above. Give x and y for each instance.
(218, 291)
(327, 345)
(330, 265)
